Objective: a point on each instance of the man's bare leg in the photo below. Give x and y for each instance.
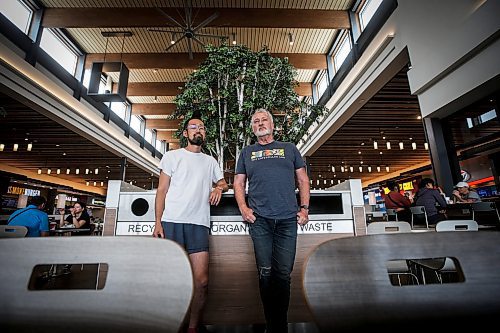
(199, 264)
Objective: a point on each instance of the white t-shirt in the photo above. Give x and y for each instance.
(192, 177)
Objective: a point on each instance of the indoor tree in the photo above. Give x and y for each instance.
(229, 86)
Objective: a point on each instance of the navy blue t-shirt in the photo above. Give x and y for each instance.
(270, 170)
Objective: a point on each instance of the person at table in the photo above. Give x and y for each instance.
(32, 217)
(78, 217)
(433, 201)
(463, 194)
(400, 203)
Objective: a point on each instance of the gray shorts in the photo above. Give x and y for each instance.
(192, 237)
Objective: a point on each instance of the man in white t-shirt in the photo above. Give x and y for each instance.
(190, 181)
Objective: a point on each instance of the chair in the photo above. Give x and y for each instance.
(453, 225)
(388, 227)
(347, 277)
(457, 225)
(391, 212)
(145, 286)
(485, 207)
(11, 231)
(418, 210)
(394, 267)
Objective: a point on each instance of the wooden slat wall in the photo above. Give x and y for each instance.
(233, 292)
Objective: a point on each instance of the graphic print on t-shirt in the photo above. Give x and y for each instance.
(267, 153)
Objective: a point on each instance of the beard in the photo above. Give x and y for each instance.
(197, 140)
(262, 132)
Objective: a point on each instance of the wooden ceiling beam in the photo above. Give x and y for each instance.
(172, 146)
(148, 109)
(228, 17)
(162, 123)
(154, 88)
(304, 89)
(181, 60)
(172, 88)
(149, 60)
(168, 136)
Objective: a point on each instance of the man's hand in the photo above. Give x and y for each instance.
(302, 216)
(215, 196)
(158, 231)
(247, 214)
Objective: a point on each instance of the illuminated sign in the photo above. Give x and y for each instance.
(98, 202)
(24, 191)
(408, 186)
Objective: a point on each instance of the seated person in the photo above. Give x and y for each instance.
(397, 201)
(32, 217)
(78, 217)
(428, 197)
(463, 194)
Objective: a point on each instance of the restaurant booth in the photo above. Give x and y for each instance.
(233, 297)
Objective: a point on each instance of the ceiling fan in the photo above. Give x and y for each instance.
(188, 31)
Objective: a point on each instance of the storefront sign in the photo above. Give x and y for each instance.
(25, 191)
(407, 186)
(98, 202)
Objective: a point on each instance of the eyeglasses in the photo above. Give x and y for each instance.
(193, 127)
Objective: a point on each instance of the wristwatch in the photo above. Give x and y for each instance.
(306, 207)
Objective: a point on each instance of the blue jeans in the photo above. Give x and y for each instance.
(275, 243)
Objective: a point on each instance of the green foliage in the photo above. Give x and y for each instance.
(226, 89)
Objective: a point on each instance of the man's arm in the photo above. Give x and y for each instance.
(304, 195)
(239, 194)
(222, 185)
(78, 223)
(45, 226)
(440, 200)
(216, 194)
(161, 193)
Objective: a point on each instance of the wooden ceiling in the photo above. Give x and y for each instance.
(391, 115)
(156, 75)
(57, 147)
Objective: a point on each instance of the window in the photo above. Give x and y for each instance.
(481, 119)
(119, 108)
(487, 116)
(322, 84)
(136, 123)
(342, 51)
(158, 146)
(86, 78)
(18, 13)
(367, 11)
(57, 49)
(148, 135)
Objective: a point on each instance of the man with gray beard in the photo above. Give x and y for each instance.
(272, 213)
